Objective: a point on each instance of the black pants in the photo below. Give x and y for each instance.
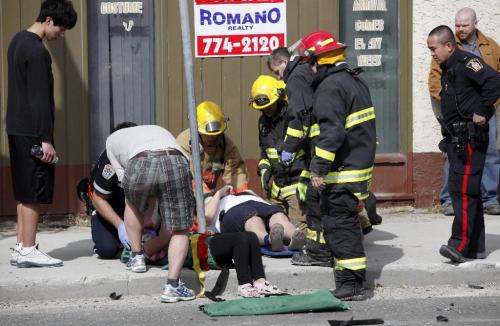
(342, 232)
(244, 249)
(466, 170)
(105, 236)
(314, 248)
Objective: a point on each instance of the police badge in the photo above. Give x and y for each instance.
(474, 65)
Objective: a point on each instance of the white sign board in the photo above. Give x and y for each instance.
(225, 28)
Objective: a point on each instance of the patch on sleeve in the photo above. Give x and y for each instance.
(474, 64)
(108, 171)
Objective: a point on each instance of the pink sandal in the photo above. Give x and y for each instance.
(267, 288)
(247, 290)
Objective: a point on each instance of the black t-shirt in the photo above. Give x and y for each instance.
(105, 182)
(30, 103)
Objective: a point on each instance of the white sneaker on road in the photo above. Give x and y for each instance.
(36, 258)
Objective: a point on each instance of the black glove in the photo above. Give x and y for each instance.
(265, 176)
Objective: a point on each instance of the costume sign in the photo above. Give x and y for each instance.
(226, 28)
(122, 8)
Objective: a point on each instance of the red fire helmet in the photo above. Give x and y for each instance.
(317, 43)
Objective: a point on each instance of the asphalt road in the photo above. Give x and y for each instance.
(396, 306)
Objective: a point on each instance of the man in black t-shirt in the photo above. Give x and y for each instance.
(30, 122)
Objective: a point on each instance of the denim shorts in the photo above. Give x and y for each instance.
(167, 178)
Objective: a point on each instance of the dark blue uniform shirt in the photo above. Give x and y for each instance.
(468, 86)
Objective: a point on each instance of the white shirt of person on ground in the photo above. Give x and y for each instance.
(126, 143)
(229, 201)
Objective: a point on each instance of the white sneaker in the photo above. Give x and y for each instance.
(36, 258)
(14, 255)
(180, 293)
(137, 264)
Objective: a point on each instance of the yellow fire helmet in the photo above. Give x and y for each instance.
(211, 120)
(265, 91)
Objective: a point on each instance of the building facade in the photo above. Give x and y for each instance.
(126, 64)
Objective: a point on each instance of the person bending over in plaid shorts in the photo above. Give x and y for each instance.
(153, 169)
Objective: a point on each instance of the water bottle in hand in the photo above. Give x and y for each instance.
(37, 151)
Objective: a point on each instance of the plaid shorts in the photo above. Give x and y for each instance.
(167, 178)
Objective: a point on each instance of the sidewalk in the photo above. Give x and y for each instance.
(401, 251)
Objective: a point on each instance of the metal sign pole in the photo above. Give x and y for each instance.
(193, 123)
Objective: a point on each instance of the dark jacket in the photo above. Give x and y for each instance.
(271, 135)
(298, 78)
(344, 150)
(468, 86)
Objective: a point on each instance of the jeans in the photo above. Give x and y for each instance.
(491, 173)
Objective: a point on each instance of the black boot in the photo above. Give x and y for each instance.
(349, 287)
(304, 259)
(315, 254)
(371, 209)
(350, 291)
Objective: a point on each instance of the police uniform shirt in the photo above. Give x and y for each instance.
(106, 183)
(468, 86)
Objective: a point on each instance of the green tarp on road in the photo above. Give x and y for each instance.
(322, 300)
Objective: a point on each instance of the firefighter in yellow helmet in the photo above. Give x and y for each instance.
(279, 181)
(218, 154)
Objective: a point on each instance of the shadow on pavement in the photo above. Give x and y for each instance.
(73, 250)
(379, 255)
(492, 243)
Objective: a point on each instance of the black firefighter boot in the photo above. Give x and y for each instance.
(348, 288)
(315, 254)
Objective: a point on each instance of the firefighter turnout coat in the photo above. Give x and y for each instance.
(301, 125)
(344, 150)
(271, 135)
(224, 160)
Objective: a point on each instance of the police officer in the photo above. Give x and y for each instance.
(469, 90)
(219, 155)
(268, 96)
(344, 154)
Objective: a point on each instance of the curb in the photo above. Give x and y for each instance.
(294, 278)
